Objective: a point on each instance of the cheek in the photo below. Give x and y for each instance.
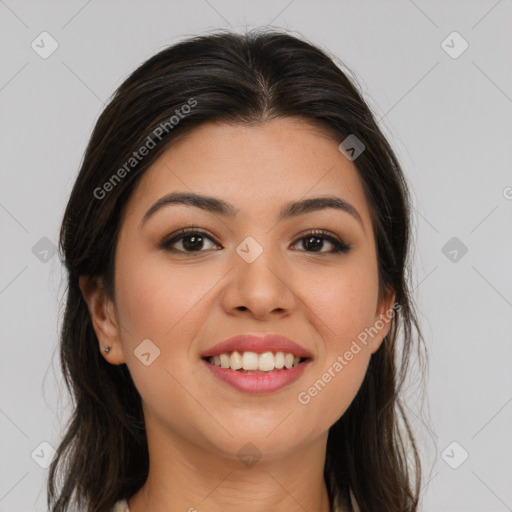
(345, 301)
(155, 296)
(344, 306)
(331, 389)
(162, 304)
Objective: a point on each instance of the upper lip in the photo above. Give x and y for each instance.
(258, 344)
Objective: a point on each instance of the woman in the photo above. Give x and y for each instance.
(237, 247)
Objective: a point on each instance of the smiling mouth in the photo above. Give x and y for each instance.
(255, 363)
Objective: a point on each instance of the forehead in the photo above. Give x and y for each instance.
(253, 167)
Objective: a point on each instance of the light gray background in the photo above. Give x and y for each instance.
(449, 120)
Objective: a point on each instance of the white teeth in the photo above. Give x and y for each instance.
(279, 360)
(250, 361)
(265, 362)
(224, 360)
(235, 361)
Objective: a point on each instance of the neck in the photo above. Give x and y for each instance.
(186, 477)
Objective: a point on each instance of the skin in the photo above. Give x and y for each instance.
(187, 302)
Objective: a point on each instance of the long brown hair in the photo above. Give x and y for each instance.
(263, 74)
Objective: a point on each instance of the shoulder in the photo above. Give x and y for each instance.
(120, 506)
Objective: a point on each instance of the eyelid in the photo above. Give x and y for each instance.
(340, 246)
(185, 231)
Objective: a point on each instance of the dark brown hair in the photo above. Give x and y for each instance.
(250, 78)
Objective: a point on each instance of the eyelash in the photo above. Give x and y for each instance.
(339, 245)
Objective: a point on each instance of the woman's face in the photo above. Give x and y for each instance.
(251, 272)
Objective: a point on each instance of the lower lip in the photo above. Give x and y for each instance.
(258, 382)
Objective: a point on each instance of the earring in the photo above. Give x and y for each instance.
(106, 349)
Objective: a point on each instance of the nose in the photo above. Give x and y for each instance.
(262, 288)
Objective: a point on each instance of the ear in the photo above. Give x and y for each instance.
(101, 309)
(386, 310)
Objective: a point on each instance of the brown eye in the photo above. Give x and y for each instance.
(314, 242)
(191, 240)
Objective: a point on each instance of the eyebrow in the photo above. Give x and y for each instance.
(219, 206)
